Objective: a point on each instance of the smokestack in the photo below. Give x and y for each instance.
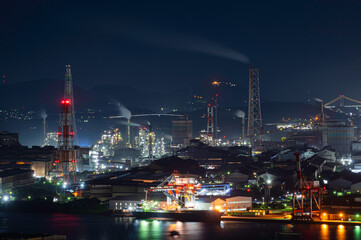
(43, 116)
(44, 131)
(243, 136)
(150, 142)
(322, 110)
(242, 115)
(128, 134)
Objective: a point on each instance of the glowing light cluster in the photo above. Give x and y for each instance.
(65, 101)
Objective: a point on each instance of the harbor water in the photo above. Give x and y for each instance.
(98, 227)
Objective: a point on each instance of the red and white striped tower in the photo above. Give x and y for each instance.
(66, 155)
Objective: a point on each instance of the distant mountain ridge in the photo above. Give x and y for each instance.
(40, 95)
(46, 94)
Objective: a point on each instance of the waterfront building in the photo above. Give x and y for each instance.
(125, 203)
(238, 203)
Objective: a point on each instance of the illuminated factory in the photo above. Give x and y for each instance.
(111, 150)
(51, 139)
(148, 144)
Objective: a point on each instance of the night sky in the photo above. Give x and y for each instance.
(152, 45)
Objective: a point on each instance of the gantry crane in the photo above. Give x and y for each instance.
(306, 197)
(180, 190)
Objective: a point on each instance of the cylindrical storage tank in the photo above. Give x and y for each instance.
(340, 138)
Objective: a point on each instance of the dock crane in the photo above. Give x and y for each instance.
(179, 189)
(306, 197)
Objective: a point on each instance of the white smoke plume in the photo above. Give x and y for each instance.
(178, 41)
(167, 136)
(125, 112)
(43, 114)
(132, 124)
(240, 114)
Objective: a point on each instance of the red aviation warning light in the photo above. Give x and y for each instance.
(65, 101)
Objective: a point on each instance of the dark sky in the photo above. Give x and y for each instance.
(298, 45)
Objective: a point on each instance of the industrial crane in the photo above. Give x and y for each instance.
(306, 196)
(341, 98)
(179, 189)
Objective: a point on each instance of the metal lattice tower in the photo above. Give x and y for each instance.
(210, 122)
(66, 155)
(216, 117)
(254, 106)
(68, 94)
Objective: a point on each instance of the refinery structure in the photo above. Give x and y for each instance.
(136, 144)
(157, 165)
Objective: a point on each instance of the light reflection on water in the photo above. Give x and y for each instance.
(341, 232)
(324, 232)
(108, 227)
(357, 233)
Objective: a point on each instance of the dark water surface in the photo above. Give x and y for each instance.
(95, 227)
